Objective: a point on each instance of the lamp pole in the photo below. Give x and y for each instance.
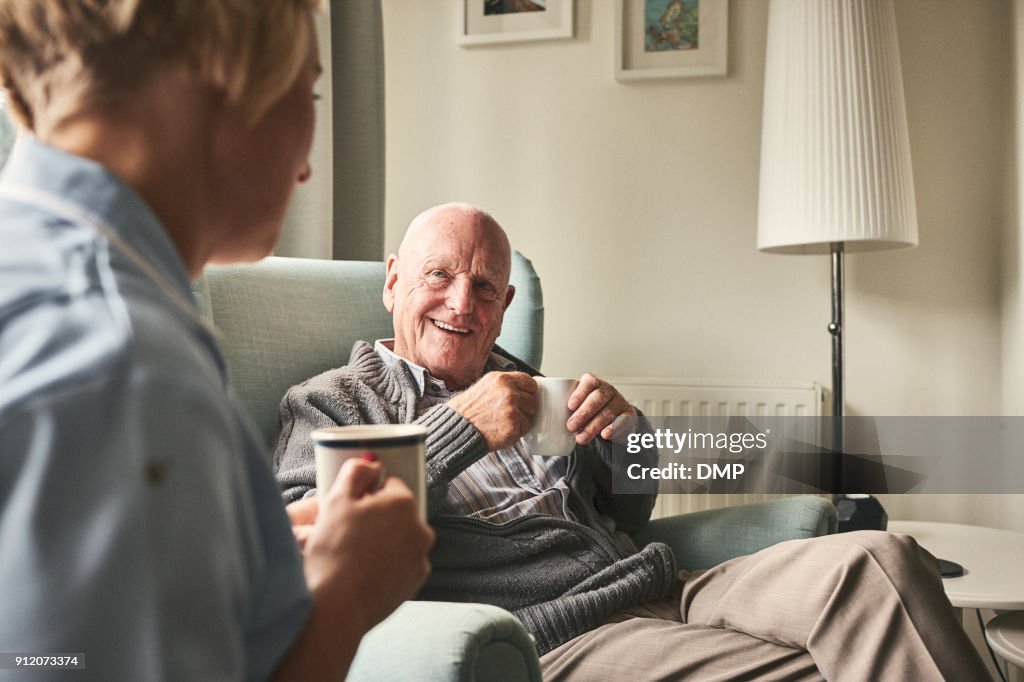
(858, 511)
(835, 328)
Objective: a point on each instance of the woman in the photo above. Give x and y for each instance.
(139, 523)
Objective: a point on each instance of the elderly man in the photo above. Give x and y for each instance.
(546, 538)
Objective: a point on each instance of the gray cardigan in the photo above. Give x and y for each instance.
(559, 577)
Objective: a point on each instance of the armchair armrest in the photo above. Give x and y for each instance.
(446, 641)
(707, 538)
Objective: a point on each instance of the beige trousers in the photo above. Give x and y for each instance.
(855, 606)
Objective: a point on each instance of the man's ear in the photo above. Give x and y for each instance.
(390, 278)
(508, 296)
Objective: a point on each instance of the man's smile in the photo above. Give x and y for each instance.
(449, 328)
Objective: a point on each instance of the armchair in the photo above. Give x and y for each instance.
(283, 320)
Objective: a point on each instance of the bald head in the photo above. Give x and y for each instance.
(447, 289)
(458, 221)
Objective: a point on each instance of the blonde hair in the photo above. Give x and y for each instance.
(58, 56)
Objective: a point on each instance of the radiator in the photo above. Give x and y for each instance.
(718, 398)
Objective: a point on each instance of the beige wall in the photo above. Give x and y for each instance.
(1010, 509)
(1013, 245)
(638, 206)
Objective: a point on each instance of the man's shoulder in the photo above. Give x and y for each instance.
(365, 368)
(367, 390)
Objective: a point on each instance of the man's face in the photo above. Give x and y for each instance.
(448, 291)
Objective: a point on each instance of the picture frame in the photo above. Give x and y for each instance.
(671, 39)
(483, 22)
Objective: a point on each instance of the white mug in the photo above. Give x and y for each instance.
(548, 435)
(401, 449)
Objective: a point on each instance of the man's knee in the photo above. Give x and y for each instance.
(882, 542)
(896, 554)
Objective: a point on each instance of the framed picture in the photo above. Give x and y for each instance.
(671, 38)
(509, 21)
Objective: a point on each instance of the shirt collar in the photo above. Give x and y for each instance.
(93, 189)
(385, 349)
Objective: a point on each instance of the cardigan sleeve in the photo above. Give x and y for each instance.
(343, 397)
(453, 444)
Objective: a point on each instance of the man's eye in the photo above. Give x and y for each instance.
(316, 96)
(487, 291)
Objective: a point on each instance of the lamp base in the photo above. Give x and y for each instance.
(860, 512)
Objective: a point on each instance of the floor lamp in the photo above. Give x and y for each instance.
(836, 174)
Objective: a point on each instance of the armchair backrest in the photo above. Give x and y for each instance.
(283, 320)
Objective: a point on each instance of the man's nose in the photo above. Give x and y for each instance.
(460, 297)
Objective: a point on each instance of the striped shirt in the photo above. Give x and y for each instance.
(502, 485)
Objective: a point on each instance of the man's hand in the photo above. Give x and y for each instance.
(365, 550)
(500, 406)
(595, 404)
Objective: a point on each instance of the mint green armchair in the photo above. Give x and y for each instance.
(283, 320)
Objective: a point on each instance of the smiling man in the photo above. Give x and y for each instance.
(545, 537)
(448, 290)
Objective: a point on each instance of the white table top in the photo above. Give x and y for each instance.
(1006, 635)
(993, 562)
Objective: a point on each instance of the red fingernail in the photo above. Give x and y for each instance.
(370, 457)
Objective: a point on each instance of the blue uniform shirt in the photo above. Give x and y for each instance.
(140, 524)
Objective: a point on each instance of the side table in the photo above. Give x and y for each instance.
(1005, 634)
(992, 559)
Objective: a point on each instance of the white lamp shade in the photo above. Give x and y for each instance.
(835, 151)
